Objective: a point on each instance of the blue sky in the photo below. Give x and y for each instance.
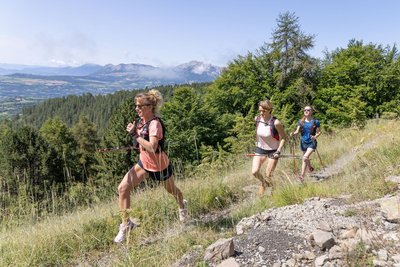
(172, 32)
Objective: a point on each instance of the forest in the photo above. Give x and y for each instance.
(49, 156)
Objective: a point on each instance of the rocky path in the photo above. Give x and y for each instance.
(319, 232)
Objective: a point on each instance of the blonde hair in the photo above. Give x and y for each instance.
(266, 104)
(153, 98)
(304, 117)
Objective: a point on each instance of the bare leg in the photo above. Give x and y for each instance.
(131, 179)
(257, 163)
(171, 188)
(270, 169)
(306, 161)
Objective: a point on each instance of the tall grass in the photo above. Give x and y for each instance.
(363, 178)
(60, 239)
(86, 235)
(24, 207)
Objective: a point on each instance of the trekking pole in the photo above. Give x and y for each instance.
(294, 160)
(280, 156)
(319, 156)
(116, 149)
(121, 148)
(320, 160)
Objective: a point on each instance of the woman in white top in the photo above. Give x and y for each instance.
(270, 139)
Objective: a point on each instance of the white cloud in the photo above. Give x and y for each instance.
(160, 73)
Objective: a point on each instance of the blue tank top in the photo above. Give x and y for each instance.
(306, 136)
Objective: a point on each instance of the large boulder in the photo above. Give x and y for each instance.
(390, 208)
(220, 250)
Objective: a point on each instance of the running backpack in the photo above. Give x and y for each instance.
(313, 129)
(271, 124)
(145, 133)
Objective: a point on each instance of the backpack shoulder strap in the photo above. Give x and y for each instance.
(162, 126)
(314, 126)
(146, 132)
(274, 131)
(257, 119)
(146, 125)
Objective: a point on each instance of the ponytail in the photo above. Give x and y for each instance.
(302, 120)
(153, 98)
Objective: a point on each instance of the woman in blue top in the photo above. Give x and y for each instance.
(310, 130)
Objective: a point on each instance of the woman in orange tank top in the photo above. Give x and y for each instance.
(153, 162)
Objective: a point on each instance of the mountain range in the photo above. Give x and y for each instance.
(193, 71)
(21, 83)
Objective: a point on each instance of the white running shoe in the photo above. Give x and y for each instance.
(183, 212)
(123, 229)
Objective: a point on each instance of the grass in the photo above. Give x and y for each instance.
(86, 235)
(360, 257)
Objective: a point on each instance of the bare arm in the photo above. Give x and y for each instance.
(150, 145)
(317, 133)
(282, 134)
(295, 132)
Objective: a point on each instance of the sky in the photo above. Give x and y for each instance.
(172, 32)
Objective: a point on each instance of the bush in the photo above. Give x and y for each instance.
(389, 115)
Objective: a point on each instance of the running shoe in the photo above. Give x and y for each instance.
(123, 229)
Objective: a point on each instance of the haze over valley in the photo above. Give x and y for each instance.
(26, 85)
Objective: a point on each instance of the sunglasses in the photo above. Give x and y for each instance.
(307, 110)
(141, 106)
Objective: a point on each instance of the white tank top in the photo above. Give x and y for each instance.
(265, 139)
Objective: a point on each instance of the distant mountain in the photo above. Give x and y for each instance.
(19, 82)
(195, 70)
(84, 70)
(200, 68)
(191, 72)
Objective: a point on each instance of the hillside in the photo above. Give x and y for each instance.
(221, 196)
(98, 108)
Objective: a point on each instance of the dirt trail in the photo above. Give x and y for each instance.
(340, 164)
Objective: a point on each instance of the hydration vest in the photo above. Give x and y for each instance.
(144, 133)
(271, 124)
(313, 129)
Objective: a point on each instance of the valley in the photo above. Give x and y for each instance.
(29, 86)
